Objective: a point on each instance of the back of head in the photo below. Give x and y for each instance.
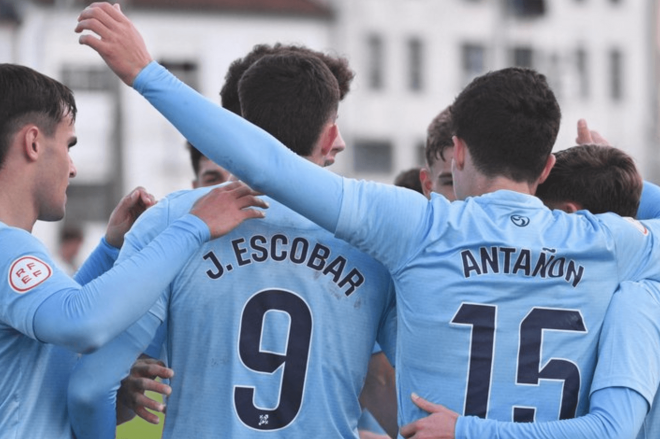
(509, 120)
(599, 178)
(195, 157)
(229, 92)
(438, 136)
(28, 96)
(409, 179)
(290, 95)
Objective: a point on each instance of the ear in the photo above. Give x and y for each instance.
(425, 179)
(29, 138)
(327, 138)
(460, 149)
(546, 170)
(566, 206)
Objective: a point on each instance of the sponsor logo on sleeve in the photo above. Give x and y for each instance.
(27, 272)
(639, 226)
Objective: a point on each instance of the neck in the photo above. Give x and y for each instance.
(17, 206)
(483, 185)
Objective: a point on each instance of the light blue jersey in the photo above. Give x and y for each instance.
(630, 347)
(625, 382)
(500, 300)
(35, 375)
(270, 329)
(46, 317)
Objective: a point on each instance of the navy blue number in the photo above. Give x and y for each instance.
(294, 361)
(482, 318)
(529, 359)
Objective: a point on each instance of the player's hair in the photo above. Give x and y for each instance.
(600, 178)
(31, 97)
(438, 137)
(409, 179)
(71, 233)
(229, 92)
(509, 121)
(195, 157)
(290, 95)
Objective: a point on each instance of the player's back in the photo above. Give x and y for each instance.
(271, 328)
(500, 300)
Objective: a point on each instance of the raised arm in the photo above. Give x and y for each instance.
(360, 212)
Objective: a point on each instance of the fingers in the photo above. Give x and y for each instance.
(151, 370)
(146, 200)
(147, 415)
(583, 133)
(142, 400)
(424, 404)
(408, 431)
(96, 18)
(598, 139)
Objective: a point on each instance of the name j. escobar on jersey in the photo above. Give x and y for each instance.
(279, 248)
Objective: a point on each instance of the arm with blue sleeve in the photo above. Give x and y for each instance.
(260, 160)
(98, 262)
(84, 318)
(616, 413)
(97, 376)
(649, 206)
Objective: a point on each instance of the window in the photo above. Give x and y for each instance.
(416, 64)
(581, 68)
(373, 156)
(87, 78)
(526, 8)
(473, 61)
(186, 71)
(92, 202)
(375, 62)
(522, 57)
(420, 153)
(616, 74)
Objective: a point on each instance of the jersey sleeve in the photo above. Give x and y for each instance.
(94, 382)
(260, 160)
(636, 245)
(97, 263)
(629, 345)
(649, 206)
(386, 335)
(30, 278)
(616, 413)
(84, 318)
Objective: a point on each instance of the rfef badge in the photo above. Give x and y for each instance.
(27, 272)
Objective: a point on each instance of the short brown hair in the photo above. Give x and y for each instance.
(438, 137)
(229, 93)
(600, 178)
(290, 95)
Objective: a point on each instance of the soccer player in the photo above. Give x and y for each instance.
(499, 299)
(439, 151)
(410, 179)
(273, 326)
(206, 172)
(602, 179)
(47, 318)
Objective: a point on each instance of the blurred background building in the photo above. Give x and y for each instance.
(411, 57)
